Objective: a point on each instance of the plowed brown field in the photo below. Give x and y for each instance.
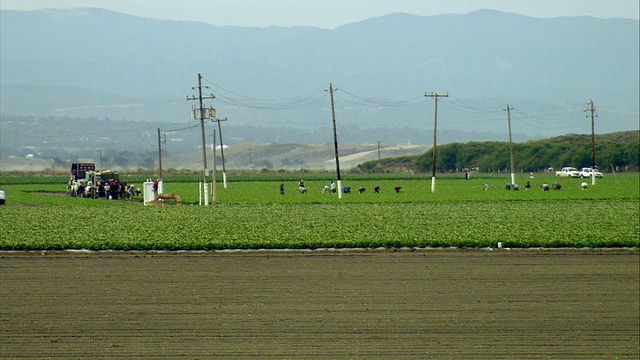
(378, 304)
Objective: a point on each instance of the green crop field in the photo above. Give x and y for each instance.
(407, 294)
(252, 214)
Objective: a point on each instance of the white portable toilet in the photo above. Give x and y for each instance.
(147, 192)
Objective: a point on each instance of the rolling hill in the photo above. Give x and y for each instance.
(91, 62)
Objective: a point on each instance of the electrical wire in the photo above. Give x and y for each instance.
(467, 109)
(184, 128)
(533, 121)
(466, 106)
(416, 100)
(540, 119)
(49, 136)
(246, 101)
(284, 106)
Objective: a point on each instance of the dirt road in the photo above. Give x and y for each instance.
(424, 304)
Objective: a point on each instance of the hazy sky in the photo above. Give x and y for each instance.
(329, 13)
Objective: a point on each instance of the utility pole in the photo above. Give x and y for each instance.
(224, 171)
(513, 176)
(592, 109)
(203, 115)
(435, 128)
(159, 156)
(335, 141)
(100, 151)
(214, 189)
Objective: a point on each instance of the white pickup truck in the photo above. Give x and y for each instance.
(586, 172)
(568, 171)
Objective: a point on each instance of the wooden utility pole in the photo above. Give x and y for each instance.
(435, 128)
(513, 176)
(224, 171)
(592, 109)
(214, 190)
(159, 156)
(203, 115)
(335, 141)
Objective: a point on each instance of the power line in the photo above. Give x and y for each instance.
(415, 100)
(540, 119)
(531, 120)
(184, 128)
(304, 95)
(49, 136)
(469, 107)
(284, 106)
(267, 104)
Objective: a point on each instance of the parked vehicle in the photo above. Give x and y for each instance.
(586, 172)
(568, 171)
(3, 197)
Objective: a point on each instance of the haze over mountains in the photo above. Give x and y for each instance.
(97, 63)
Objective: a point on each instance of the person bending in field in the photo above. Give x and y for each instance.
(397, 189)
(376, 189)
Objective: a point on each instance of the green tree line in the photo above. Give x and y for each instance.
(619, 151)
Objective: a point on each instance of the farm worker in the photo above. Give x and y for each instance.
(466, 175)
(301, 187)
(332, 186)
(281, 189)
(397, 189)
(486, 187)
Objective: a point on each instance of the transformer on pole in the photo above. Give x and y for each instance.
(203, 115)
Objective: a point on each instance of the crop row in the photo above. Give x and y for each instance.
(413, 191)
(310, 226)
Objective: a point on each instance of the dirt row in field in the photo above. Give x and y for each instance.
(425, 304)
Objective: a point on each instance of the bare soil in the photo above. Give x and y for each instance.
(380, 304)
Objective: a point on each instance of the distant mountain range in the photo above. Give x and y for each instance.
(82, 63)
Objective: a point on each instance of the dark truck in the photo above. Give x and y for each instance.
(85, 180)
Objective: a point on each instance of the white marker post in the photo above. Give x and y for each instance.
(206, 193)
